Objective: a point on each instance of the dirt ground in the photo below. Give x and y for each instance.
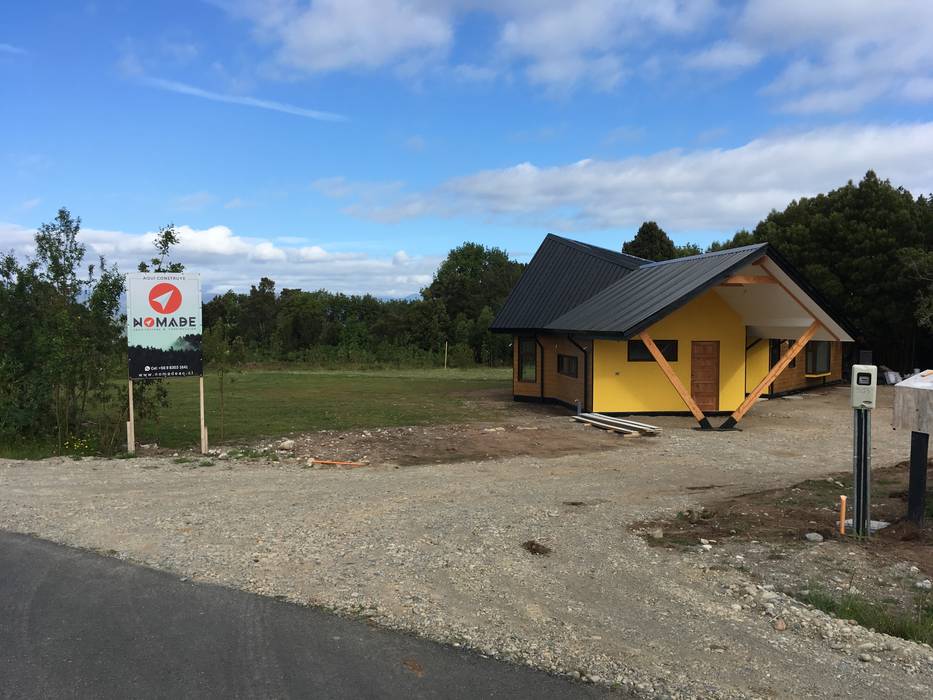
(763, 533)
(437, 549)
(519, 429)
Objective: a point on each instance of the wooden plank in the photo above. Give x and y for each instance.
(781, 365)
(131, 425)
(742, 280)
(604, 425)
(624, 423)
(673, 379)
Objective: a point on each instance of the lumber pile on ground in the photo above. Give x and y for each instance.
(621, 426)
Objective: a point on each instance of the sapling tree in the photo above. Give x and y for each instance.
(223, 354)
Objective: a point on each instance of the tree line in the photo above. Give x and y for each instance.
(867, 247)
(327, 329)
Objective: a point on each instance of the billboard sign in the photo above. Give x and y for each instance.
(163, 324)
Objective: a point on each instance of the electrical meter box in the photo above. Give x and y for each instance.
(864, 385)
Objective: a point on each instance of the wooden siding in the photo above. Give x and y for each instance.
(557, 386)
(794, 378)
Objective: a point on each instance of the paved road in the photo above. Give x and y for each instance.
(75, 624)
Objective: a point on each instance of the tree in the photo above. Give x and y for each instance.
(62, 340)
(473, 277)
(650, 243)
(851, 244)
(223, 354)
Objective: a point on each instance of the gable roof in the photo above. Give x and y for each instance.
(572, 287)
(561, 276)
(652, 292)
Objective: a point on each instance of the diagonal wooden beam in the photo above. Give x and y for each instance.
(674, 380)
(781, 365)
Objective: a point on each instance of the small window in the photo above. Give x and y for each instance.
(790, 346)
(567, 365)
(527, 360)
(638, 351)
(818, 357)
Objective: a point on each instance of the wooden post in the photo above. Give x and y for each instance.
(203, 426)
(131, 425)
(445, 354)
(771, 376)
(917, 489)
(674, 380)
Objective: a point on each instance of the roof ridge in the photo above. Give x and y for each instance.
(714, 253)
(596, 251)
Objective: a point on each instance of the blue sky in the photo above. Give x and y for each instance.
(350, 144)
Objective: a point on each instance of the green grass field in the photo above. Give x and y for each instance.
(268, 403)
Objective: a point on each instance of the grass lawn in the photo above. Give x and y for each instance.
(266, 403)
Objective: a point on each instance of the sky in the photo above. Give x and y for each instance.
(349, 144)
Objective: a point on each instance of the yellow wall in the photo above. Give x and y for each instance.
(621, 386)
(757, 363)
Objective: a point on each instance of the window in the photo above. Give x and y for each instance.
(818, 357)
(790, 346)
(567, 364)
(527, 360)
(638, 351)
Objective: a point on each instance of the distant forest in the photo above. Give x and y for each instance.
(868, 247)
(327, 329)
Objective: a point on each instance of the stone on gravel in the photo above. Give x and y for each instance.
(813, 537)
(924, 585)
(287, 445)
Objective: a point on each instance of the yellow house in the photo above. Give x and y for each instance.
(611, 333)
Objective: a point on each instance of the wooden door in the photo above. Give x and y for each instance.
(704, 374)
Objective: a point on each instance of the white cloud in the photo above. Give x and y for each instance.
(31, 203)
(704, 189)
(558, 44)
(228, 261)
(191, 90)
(235, 203)
(10, 49)
(843, 54)
(329, 35)
(725, 55)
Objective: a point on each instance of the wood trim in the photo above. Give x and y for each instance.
(673, 378)
(781, 365)
(742, 280)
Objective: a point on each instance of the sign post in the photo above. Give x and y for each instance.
(864, 383)
(163, 334)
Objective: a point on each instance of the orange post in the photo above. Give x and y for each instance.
(842, 515)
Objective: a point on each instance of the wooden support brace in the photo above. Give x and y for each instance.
(781, 365)
(674, 380)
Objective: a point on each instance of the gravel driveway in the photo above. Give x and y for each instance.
(437, 549)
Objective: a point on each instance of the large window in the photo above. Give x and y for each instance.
(527, 360)
(638, 351)
(567, 365)
(818, 357)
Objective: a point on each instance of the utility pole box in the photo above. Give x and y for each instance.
(913, 403)
(864, 386)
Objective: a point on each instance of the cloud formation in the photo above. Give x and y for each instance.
(710, 189)
(840, 54)
(191, 90)
(228, 261)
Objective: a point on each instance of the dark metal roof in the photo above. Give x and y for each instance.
(651, 292)
(562, 275)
